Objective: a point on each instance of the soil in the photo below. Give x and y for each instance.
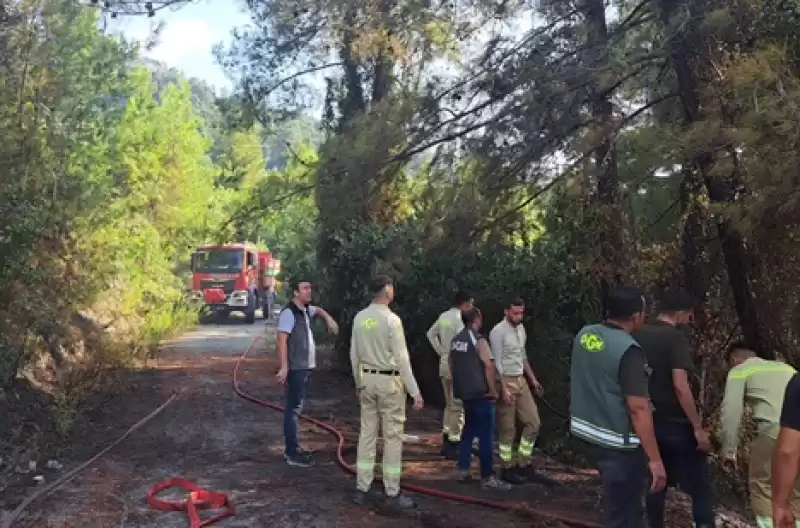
(226, 444)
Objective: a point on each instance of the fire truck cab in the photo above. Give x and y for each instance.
(229, 278)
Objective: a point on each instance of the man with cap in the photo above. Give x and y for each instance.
(610, 408)
(440, 334)
(383, 376)
(683, 443)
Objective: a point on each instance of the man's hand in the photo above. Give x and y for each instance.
(658, 476)
(282, 374)
(418, 403)
(333, 328)
(492, 394)
(729, 464)
(537, 387)
(508, 398)
(703, 440)
(782, 516)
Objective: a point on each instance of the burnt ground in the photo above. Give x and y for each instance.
(224, 443)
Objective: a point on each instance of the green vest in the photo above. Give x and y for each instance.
(598, 412)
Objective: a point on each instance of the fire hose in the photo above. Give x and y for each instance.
(519, 507)
(202, 499)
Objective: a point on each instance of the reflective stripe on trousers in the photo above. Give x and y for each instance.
(383, 409)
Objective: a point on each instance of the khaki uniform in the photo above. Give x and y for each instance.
(761, 384)
(382, 371)
(440, 335)
(508, 349)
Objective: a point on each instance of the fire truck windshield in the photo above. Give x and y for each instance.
(219, 261)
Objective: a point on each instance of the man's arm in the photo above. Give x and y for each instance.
(731, 418)
(496, 342)
(681, 363)
(488, 369)
(397, 346)
(634, 384)
(285, 327)
(329, 321)
(786, 457)
(526, 367)
(355, 363)
(434, 339)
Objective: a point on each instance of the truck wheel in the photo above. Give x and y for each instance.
(250, 313)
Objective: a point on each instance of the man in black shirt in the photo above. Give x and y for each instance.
(786, 460)
(682, 441)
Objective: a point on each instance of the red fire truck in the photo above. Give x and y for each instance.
(232, 278)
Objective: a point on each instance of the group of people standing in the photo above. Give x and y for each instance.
(632, 402)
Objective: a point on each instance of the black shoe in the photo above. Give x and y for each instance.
(512, 476)
(299, 459)
(401, 502)
(360, 498)
(450, 450)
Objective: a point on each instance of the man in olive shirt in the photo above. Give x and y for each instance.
(440, 334)
(383, 375)
(761, 384)
(683, 443)
(508, 340)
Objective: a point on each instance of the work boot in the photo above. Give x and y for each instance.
(494, 483)
(531, 474)
(401, 502)
(463, 476)
(450, 450)
(299, 459)
(512, 476)
(360, 498)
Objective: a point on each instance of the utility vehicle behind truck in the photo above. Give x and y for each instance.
(231, 278)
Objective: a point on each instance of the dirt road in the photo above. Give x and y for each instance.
(223, 443)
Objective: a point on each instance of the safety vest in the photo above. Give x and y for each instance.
(598, 412)
(469, 374)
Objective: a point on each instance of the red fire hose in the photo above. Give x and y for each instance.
(432, 492)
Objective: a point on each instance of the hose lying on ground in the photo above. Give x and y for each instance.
(432, 492)
(50, 488)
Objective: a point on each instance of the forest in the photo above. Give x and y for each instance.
(547, 149)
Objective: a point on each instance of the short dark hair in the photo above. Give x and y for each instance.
(294, 282)
(461, 297)
(468, 316)
(378, 283)
(514, 301)
(623, 302)
(736, 346)
(673, 301)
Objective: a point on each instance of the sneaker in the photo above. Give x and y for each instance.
(494, 483)
(402, 502)
(512, 476)
(360, 498)
(299, 459)
(463, 476)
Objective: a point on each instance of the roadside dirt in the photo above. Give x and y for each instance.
(223, 443)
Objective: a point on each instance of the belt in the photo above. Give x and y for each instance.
(383, 372)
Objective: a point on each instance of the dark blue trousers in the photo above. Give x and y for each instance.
(296, 383)
(687, 468)
(478, 423)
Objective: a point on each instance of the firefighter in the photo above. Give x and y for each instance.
(473, 383)
(610, 408)
(382, 371)
(761, 384)
(786, 461)
(507, 341)
(440, 334)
